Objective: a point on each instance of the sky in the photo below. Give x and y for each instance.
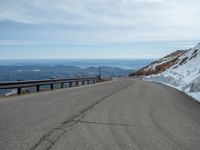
(122, 29)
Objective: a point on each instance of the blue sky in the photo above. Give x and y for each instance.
(97, 28)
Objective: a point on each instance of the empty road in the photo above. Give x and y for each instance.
(125, 114)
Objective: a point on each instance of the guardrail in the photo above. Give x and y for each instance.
(51, 82)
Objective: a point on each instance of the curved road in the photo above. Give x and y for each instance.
(126, 114)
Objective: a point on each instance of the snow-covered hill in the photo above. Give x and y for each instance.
(180, 70)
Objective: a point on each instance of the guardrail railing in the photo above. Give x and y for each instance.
(19, 85)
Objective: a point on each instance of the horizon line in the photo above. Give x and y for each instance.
(78, 58)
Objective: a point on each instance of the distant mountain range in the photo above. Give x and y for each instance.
(81, 63)
(181, 69)
(37, 72)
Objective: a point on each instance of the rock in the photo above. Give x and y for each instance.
(160, 65)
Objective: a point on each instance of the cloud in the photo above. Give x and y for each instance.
(109, 20)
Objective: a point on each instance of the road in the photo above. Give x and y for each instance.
(125, 114)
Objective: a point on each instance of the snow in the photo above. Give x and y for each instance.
(36, 70)
(161, 61)
(185, 77)
(195, 95)
(12, 92)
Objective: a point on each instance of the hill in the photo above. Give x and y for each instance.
(180, 69)
(37, 72)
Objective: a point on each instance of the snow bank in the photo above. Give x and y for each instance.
(185, 75)
(12, 92)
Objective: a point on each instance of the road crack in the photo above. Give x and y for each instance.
(47, 141)
(113, 124)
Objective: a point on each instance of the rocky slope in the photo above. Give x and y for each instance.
(180, 69)
(161, 64)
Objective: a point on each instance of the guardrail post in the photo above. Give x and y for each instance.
(83, 82)
(37, 88)
(88, 82)
(70, 84)
(62, 85)
(94, 81)
(51, 86)
(77, 83)
(19, 91)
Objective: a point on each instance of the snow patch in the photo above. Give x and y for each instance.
(13, 92)
(36, 70)
(185, 76)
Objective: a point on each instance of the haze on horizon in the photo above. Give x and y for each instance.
(128, 29)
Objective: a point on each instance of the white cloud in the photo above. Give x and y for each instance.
(118, 20)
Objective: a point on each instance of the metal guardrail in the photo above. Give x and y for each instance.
(37, 83)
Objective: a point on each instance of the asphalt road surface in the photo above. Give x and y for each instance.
(125, 114)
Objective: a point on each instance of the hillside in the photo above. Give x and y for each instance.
(180, 69)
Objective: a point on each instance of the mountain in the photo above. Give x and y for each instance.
(180, 69)
(107, 72)
(37, 72)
